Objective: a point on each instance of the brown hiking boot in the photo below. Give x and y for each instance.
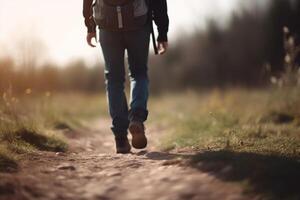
(137, 130)
(122, 145)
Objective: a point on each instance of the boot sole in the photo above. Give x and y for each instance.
(126, 151)
(139, 140)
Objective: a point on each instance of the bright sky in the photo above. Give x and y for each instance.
(59, 24)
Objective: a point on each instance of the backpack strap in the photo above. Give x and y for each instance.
(150, 14)
(154, 39)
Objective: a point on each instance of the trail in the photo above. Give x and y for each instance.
(91, 170)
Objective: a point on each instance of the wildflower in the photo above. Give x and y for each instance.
(28, 91)
(48, 94)
(288, 58)
(291, 41)
(286, 30)
(273, 80)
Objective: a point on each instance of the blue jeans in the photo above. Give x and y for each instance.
(113, 46)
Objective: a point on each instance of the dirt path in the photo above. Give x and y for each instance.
(91, 170)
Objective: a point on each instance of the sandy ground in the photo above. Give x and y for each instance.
(92, 170)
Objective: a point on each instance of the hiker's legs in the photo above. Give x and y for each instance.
(137, 44)
(113, 48)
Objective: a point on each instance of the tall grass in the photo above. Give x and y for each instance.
(38, 122)
(290, 77)
(242, 120)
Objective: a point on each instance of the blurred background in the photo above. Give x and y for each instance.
(213, 43)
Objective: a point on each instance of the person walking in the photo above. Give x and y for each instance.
(126, 25)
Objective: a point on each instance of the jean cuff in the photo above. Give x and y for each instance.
(138, 114)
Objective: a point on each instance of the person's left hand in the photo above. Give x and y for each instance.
(162, 47)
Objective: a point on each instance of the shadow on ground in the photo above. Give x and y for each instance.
(274, 177)
(156, 155)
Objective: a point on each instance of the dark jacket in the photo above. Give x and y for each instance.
(157, 7)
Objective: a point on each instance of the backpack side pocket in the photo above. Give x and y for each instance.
(140, 12)
(140, 8)
(99, 15)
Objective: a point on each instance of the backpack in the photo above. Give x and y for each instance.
(120, 15)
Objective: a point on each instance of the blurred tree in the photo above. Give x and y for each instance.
(230, 56)
(31, 51)
(217, 56)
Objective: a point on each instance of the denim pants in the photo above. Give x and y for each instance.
(113, 45)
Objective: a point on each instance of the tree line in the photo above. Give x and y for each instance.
(236, 55)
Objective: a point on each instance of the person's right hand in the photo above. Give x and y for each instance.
(90, 37)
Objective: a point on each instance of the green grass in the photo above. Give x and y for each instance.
(240, 120)
(253, 136)
(30, 123)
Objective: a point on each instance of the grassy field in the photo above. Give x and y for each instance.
(251, 137)
(266, 122)
(40, 122)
